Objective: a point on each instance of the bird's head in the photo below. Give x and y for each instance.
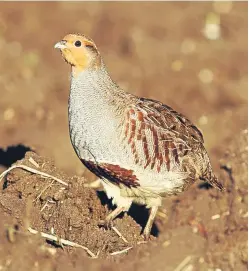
(80, 52)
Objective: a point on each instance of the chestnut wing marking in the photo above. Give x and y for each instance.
(163, 132)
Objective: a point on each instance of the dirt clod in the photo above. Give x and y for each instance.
(71, 213)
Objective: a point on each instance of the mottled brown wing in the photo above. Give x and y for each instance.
(114, 173)
(166, 135)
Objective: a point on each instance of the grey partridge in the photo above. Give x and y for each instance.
(141, 149)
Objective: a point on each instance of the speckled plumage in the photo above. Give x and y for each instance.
(141, 149)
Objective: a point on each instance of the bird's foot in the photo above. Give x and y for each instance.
(106, 223)
(146, 236)
(147, 229)
(95, 184)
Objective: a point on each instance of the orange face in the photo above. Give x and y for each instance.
(79, 51)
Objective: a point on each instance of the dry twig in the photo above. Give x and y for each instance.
(32, 170)
(62, 241)
(119, 234)
(121, 251)
(32, 161)
(183, 263)
(43, 191)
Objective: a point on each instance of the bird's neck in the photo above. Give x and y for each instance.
(93, 93)
(94, 88)
(93, 84)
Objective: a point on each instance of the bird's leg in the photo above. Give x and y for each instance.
(107, 223)
(147, 229)
(95, 184)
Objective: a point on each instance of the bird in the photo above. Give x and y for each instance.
(141, 149)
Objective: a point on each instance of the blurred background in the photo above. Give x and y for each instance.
(189, 55)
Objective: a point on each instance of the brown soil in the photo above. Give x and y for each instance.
(143, 46)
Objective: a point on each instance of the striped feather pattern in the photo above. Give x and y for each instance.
(158, 135)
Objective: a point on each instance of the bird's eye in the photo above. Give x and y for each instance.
(77, 43)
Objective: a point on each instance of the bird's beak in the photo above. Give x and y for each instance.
(60, 45)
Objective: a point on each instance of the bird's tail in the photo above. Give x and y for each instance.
(214, 181)
(210, 177)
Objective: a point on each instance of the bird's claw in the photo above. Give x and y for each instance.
(146, 236)
(106, 223)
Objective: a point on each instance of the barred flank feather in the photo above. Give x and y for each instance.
(214, 181)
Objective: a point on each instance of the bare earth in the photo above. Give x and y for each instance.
(156, 50)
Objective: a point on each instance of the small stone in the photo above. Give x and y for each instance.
(201, 260)
(166, 243)
(212, 28)
(245, 215)
(177, 65)
(206, 76)
(195, 229)
(188, 46)
(212, 31)
(9, 114)
(189, 267)
(214, 217)
(203, 120)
